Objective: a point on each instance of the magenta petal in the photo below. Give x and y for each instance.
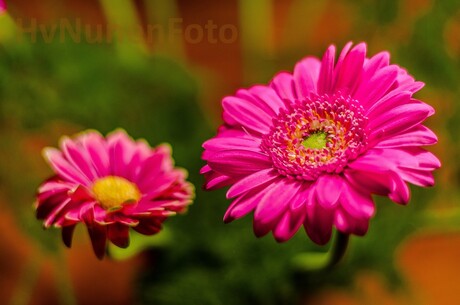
(368, 93)
(375, 183)
(217, 144)
(376, 63)
(416, 136)
(348, 224)
(118, 234)
(67, 234)
(276, 200)
(96, 147)
(357, 203)
(63, 168)
(388, 102)
(417, 177)
(351, 68)
(342, 56)
(51, 216)
(401, 118)
(157, 185)
(246, 114)
(319, 221)
(150, 168)
(326, 74)
(98, 235)
(242, 206)
(216, 181)
(81, 193)
(400, 192)
(148, 227)
(283, 84)
(328, 189)
(306, 74)
(78, 157)
(266, 97)
(288, 226)
(250, 182)
(238, 162)
(121, 150)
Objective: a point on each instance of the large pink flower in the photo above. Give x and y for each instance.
(311, 147)
(111, 185)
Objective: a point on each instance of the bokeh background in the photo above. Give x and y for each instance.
(167, 87)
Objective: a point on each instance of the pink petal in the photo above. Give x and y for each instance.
(288, 226)
(216, 181)
(283, 84)
(275, 201)
(217, 144)
(376, 63)
(96, 147)
(51, 216)
(388, 102)
(326, 74)
(67, 233)
(418, 177)
(78, 157)
(247, 114)
(328, 189)
(348, 224)
(149, 227)
(243, 205)
(342, 57)
(416, 136)
(357, 203)
(252, 181)
(369, 92)
(319, 221)
(121, 149)
(265, 97)
(351, 68)
(118, 234)
(98, 235)
(63, 168)
(238, 162)
(306, 74)
(397, 120)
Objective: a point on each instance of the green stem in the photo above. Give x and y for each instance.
(323, 261)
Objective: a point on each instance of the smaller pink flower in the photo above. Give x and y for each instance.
(111, 184)
(2, 7)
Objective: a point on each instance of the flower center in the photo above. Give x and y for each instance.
(112, 192)
(320, 134)
(315, 141)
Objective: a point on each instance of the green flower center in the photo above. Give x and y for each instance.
(315, 140)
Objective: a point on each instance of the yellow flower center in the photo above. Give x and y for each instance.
(112, 191)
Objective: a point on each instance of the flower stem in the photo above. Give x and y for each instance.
(323, 261)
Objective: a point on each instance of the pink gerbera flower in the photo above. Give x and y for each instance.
(313, 146)
(2, 7)
(111, 185)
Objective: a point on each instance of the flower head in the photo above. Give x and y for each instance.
(312, 147)
(2, 7)
(111, 185)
